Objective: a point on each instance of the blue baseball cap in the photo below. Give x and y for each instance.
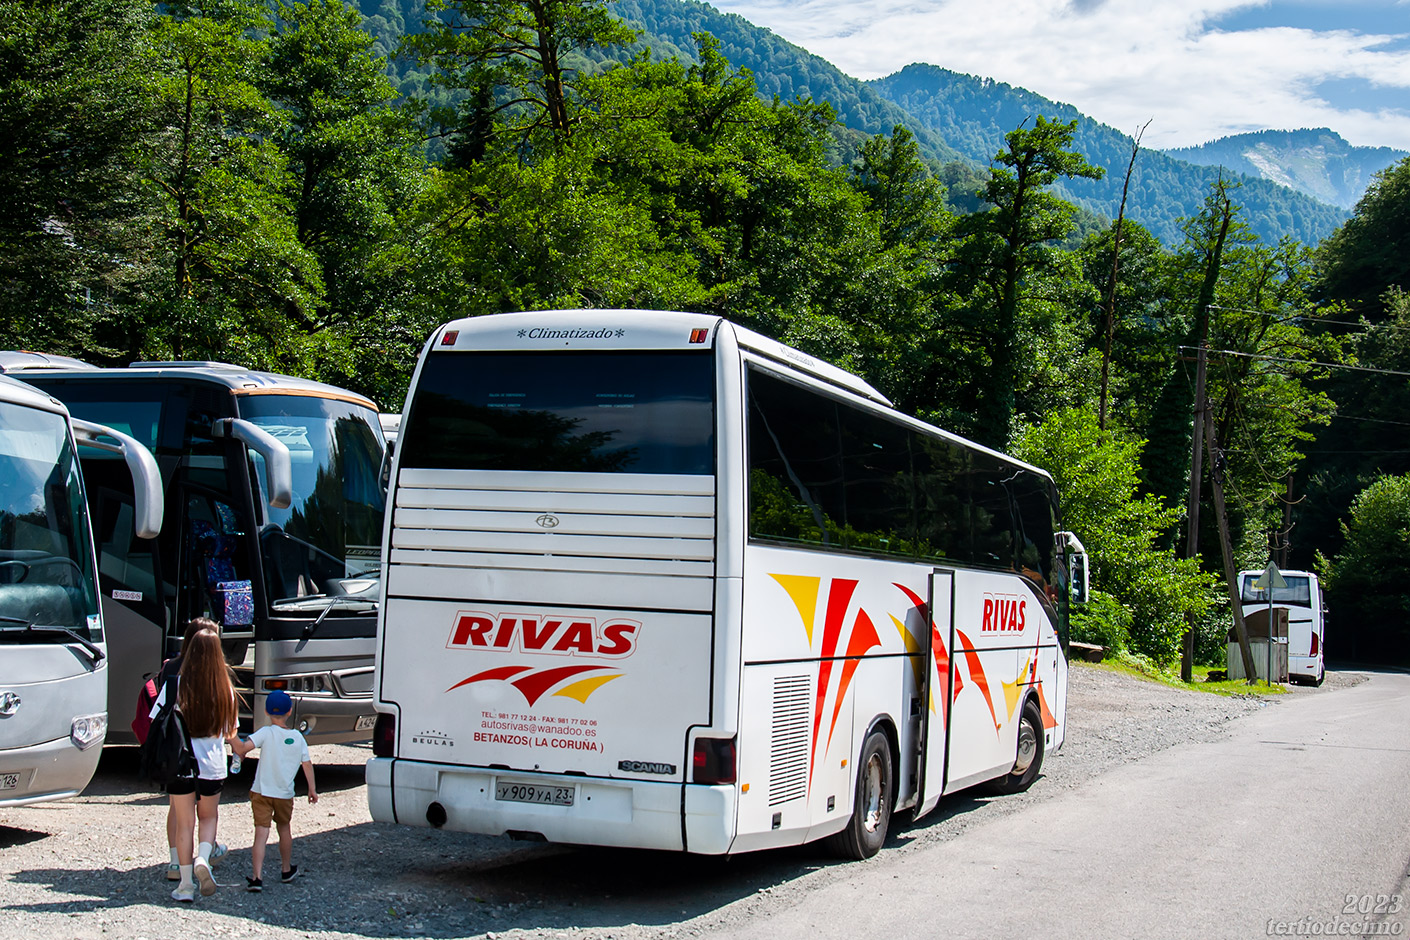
(278, 703)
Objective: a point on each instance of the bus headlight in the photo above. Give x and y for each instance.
(88, 730)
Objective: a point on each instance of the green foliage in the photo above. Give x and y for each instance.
(1371, 253)
(76, 102)
(1367, 580)
(1095, 472)
(1103, 621)
(1009, 250)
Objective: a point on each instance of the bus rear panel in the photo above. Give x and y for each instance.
(611, 618)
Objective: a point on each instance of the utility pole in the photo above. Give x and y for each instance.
(1231, 577)
(1187, 657)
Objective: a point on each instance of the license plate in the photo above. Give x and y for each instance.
(530, 793)
(11, 782)
(365, 722)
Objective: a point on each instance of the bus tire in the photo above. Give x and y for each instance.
(1028, 761)
(872, 803)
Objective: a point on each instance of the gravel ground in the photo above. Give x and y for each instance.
(94, 866)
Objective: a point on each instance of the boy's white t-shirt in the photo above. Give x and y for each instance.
(281, 752)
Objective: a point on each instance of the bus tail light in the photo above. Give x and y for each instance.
(384, 736)
(1313, 651)
(714, 760)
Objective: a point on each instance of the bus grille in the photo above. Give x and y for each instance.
(788, 752)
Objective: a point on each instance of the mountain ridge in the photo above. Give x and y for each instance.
(1315, 160)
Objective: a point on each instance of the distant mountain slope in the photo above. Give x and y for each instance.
(1318, 162)
(779, 67)
(973, 114)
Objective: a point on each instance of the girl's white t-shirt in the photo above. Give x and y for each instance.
(210, 752)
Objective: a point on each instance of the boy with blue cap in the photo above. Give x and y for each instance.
(282, 751)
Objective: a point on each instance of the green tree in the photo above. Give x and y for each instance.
(1370, 253)
(233, 269)
(1366, 581)
(75, 110)
(355, 162)
(515, 55)
(1095, 471)
(1009, 246)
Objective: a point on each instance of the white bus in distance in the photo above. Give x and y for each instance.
(1307, 627)
(656, 581)
(53, 649)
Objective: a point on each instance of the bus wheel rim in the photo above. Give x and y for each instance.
(1027, 746)
(872, 793)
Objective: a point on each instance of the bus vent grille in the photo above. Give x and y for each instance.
(788, 754)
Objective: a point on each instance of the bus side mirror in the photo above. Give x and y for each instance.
(277, 461)
(1078, 567)
(147, 496)
(1081, 584)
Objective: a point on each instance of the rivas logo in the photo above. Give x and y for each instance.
(1004, 613)
(613, 638)
(577, 637)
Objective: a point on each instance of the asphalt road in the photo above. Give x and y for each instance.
(1295, 824)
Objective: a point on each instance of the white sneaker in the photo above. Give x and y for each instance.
(173, 872)
(202, 870)
(185, 893)
(219, 851)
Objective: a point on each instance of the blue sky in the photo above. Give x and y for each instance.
(1198, 69)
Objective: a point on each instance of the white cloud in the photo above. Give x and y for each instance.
(1125, 61)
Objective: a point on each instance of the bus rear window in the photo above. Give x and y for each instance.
(602, 412)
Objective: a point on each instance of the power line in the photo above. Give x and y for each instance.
(1295, 316)
(1299, 362)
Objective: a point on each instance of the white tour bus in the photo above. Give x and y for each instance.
(53, 652)
(274, 502)
(654, 580)
(1306, 620)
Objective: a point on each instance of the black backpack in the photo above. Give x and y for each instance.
(167, 754)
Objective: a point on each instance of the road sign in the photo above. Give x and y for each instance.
(1270, 578)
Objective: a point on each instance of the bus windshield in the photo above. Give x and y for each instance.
(328, 542)
(649, 411)
(46, 562)
(1298, 591)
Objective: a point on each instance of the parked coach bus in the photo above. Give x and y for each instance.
(657, 581)
(1307, 627)
(274, 507)
(53, 650)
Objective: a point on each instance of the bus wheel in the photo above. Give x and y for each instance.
(1029, 758)
(1321, 675)
(871, 804)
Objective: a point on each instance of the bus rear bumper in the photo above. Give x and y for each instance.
(49, 771)
(624, 813)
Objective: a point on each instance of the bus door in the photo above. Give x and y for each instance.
(215, 568)
(132, 600)
(933, 737)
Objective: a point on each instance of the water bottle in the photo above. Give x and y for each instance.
(235, 761)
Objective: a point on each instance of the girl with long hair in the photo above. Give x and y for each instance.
(205, 696)
(170, 669)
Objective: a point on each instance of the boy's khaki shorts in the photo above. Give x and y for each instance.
(266, 809)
